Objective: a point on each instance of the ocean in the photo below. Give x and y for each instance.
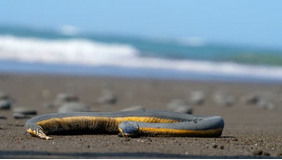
(27, 50)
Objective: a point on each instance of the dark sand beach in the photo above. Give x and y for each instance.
(249, 130)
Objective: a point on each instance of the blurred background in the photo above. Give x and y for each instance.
(230, 40)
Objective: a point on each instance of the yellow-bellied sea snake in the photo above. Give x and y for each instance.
(132, 123)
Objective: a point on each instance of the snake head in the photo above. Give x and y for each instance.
(129, 129)
(38, 133)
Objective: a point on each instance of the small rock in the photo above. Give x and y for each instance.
(25, 111)
(259, 102)
(64, 98)
(266, 154)
(181, 106)
(149, 140)
(107, 97)
(251, 99)
(3, 117)
(134, 108)
(48, 105)
(184, 109)
(126, 139)
(279, 154)
(264, 104)
(221, 147)
(197, 97)
(140, 140)
(5, 104)
(224, 100)
(67, 97)
(20, 116)
(176, 102)
(214, 146)
(257, 152)
(4, 96)
(73, 107)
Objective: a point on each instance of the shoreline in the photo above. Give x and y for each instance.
(25, 68)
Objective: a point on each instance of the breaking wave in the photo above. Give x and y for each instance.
(92, 53)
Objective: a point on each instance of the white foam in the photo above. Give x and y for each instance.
(81, 51)
(75, 51)
(215, 68)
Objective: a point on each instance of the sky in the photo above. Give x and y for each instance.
(236, 21)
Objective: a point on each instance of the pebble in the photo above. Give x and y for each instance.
(257, 152)
(259, 102)
(5, 104)
(279, 154)
(251, 99)
(149, 140)
(214, 146)
(197, 97)
(3, 117)
(48, 105)
(126, 139)
(73, 107)
(67, 97)
(140, 140)
(260, 153)
(175, 102)
(221, 147)
(107, 97)
(264, 104)
(224, 100)
(20, 116)
(134, 108)
(266, 154)
(4, 96)
(64, 98)
(25, 111)
(184, 109)
(181, 106)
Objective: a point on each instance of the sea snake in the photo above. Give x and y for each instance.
(131, 123)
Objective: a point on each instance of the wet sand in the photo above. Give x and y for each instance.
(249, 130)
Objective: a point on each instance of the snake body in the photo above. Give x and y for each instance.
(132, 123)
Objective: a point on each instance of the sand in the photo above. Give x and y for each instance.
(249, 130)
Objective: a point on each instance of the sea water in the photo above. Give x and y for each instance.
(48, 51)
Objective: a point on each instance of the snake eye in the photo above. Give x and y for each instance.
(129, 129)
